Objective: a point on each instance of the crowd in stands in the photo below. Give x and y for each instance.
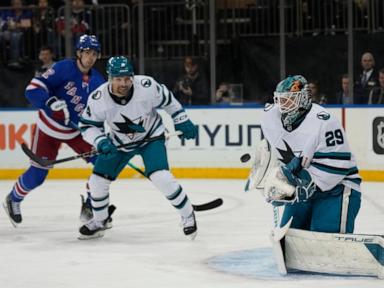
(43, 22)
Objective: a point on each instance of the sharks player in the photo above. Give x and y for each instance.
(127, 104)
(323, 194)
(60, 94)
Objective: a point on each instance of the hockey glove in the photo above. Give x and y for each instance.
(106, 147)
(183, 124)
(300, 178)
(59, 109)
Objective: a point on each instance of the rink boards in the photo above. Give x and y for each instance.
(224, 135)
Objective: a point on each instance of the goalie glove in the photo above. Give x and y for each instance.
(277, 190)
(281, 190)
(264, 161)
(299, 177)
(59, 109)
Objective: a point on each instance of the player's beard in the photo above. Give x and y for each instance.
(123, 90)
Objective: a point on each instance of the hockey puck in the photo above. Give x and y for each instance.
(245, 158)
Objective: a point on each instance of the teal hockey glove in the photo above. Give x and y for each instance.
(106, 147)
(183, 124)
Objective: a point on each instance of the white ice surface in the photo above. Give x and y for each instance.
(146, 247)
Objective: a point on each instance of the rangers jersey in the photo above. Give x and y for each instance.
(320, 141)
(65, 81)
(131, 121)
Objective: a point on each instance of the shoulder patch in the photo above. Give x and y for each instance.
(146, 83)
(268, 106)
(96, 95)
(323, 115)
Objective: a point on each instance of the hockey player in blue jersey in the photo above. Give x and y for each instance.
(60, 95)
(315, 178)
(127, 103)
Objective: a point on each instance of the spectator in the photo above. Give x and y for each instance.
(376, 96)
(316, 96)
(80, 21)
(343, 96)
(366, 80)
(16, 22)
(43, 23)
(46, 57)
(224, 93)
(192, 87)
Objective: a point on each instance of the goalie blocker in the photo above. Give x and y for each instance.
(332, 253)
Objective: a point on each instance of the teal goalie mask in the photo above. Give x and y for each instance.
(293, 98)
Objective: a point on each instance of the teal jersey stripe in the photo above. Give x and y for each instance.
(99, 199)
(332, 155)
(170, 99)
(354, 180)
(90, 122)
(182, 204)
(165, 98)
(335, 170)
(174, 195)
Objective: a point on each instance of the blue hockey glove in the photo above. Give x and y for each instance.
(106, 147)
(183, 124)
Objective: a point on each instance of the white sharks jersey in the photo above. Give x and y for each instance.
(131, 121)
(320, 140)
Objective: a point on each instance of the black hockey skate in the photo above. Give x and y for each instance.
(95, 229)
(13, 211)
(189, 226)
(86, 213)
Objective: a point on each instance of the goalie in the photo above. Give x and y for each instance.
(305, 163)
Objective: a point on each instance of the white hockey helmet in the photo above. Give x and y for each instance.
(293, 98)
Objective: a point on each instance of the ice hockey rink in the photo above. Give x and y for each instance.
(146, 247)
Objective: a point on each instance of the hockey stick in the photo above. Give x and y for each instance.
(47, 162)
(197, 207)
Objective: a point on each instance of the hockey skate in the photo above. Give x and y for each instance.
(95, 229)
(86, 213)
(13, 211)
(189, 226)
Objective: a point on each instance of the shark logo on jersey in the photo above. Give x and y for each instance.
(287, 155)
(323, 115)
(146, 83)
(129, 127)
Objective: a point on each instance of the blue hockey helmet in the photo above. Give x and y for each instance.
(293, 98)
(119, 66)
(88, 42)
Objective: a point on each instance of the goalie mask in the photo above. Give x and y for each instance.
(293, 98)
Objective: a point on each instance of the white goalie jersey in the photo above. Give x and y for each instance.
(320, 141)
(130, 122)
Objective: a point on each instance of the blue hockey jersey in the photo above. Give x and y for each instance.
(65, 81)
